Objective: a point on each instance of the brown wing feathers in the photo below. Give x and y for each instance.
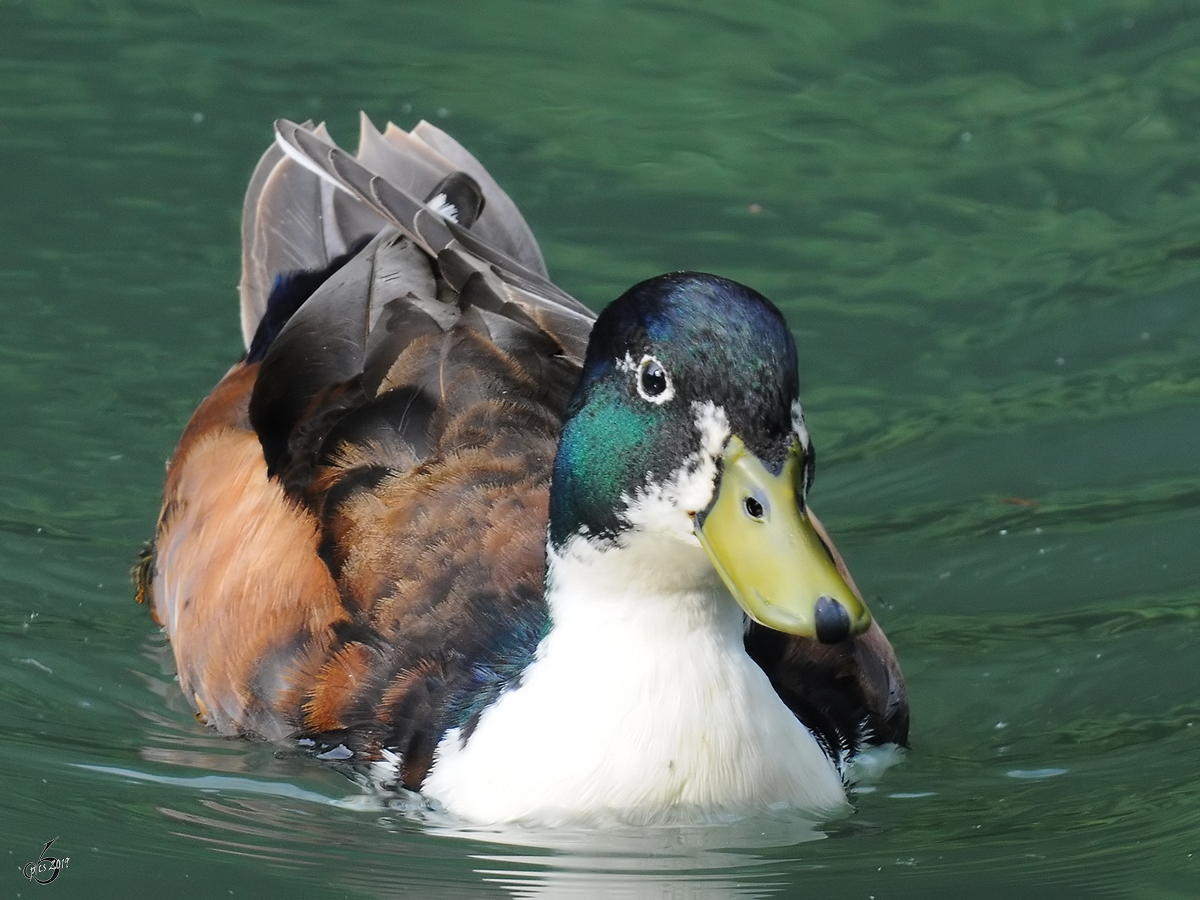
(393, 565)
(234, 614)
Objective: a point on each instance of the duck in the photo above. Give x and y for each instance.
(531, 564)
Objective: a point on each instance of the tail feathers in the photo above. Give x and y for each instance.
(561, 316)
(309, 201)
(501, 224)
(416, 161)
(431, 230)
(293, 221)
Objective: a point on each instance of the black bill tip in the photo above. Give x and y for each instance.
(832, 621)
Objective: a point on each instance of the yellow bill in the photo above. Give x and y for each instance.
(769, 554)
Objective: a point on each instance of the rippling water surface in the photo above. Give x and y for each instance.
(983, 221)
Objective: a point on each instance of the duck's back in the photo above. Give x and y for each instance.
(352, 539)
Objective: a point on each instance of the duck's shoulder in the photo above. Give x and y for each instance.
(353, 531)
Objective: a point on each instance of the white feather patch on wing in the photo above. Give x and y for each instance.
(334, 245)
(441, 205)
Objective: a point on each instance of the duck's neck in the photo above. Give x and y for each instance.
(641, 705)
(639, 592)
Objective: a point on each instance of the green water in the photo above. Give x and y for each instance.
(983, 221)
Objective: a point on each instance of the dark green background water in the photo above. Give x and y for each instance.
(983, 220)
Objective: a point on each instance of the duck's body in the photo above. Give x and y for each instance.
(357, 521)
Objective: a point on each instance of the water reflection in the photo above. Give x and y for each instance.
(386, 846)
(637, 882)
(260, 802)
(714, 861)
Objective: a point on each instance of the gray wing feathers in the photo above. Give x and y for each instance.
(309, 201)
(501, 224)
(292, 220)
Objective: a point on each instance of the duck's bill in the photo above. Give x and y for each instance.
(769, 554)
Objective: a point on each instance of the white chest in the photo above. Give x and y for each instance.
(644, 709)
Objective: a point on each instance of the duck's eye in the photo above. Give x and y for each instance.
(654, 379)
(654, 384)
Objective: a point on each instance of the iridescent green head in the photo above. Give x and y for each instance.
(686, 425)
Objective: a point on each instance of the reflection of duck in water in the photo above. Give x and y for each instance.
(441, 516)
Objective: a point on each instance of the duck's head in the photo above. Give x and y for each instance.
(686, 431)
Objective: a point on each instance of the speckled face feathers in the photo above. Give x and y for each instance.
(670, 352)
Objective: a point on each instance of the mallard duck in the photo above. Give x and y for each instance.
(537, 565)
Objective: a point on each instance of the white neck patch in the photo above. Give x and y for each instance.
(665, 508)
(798, 424)
(801, 431)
